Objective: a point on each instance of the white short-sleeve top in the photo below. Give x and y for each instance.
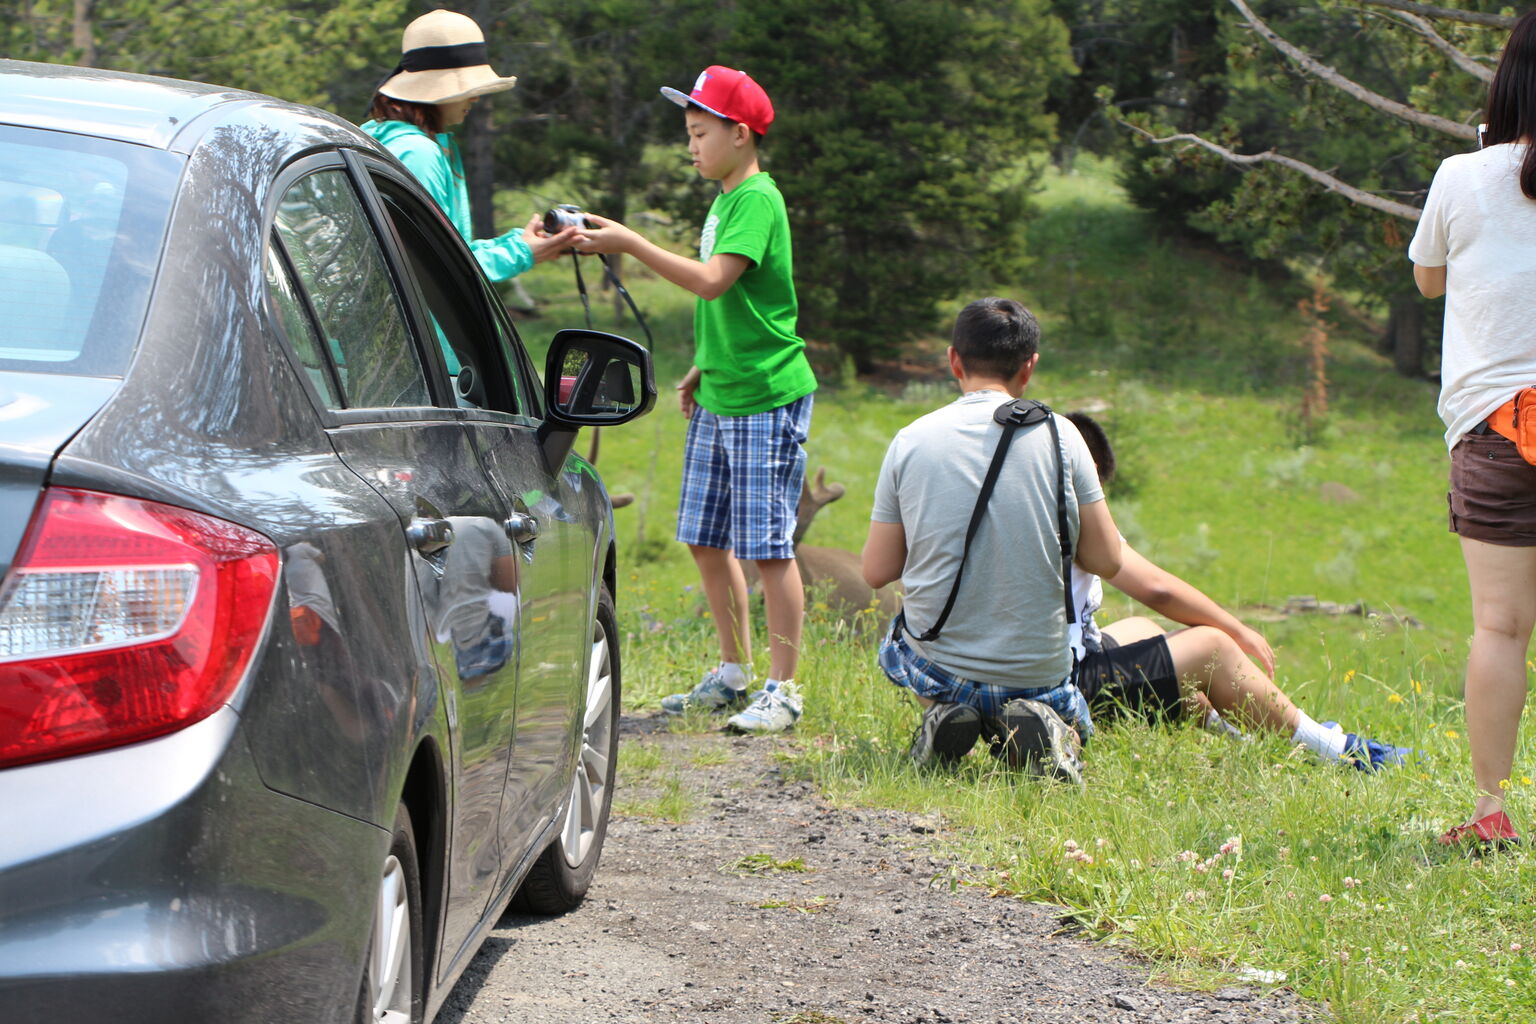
(1482, 229)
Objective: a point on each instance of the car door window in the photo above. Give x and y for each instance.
(457, 307)
(340, 266)
(299, 329)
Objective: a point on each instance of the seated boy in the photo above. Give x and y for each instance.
(1217, 666)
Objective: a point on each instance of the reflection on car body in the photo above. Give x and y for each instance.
(311, 640)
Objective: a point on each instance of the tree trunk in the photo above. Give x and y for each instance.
(83, 35)
(479, 165)
(480, 171)
(1405, 334)
(618, 202)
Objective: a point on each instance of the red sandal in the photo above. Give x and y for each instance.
(1490, 830)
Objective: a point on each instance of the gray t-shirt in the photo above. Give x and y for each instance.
(1008, 625)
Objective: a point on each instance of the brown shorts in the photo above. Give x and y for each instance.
(1493, 491)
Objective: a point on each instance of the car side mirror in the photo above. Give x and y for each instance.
(592, 379)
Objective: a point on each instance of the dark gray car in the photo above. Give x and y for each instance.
(308, 662)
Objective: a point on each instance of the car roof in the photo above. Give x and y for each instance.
(141, 109)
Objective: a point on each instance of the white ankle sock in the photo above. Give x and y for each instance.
(773, 684)
(734, 675)
(1325, 743)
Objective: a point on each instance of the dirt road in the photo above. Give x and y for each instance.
(711, 922)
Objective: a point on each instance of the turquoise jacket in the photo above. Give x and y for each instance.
(436, 163)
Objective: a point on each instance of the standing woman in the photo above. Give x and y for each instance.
(442, 71)
(1476, 244)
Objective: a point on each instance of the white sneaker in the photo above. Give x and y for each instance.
(774, 708)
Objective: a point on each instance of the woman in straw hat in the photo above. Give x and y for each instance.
(442, 71)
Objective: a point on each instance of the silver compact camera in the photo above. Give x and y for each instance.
(565, 215)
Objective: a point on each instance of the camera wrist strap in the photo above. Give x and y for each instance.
(1011, 415)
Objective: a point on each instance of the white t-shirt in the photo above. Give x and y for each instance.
(1482, 229)
(1008, 625)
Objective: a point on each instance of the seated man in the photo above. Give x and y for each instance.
(1006, 635)
(1004, 658)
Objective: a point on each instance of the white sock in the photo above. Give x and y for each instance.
(734, 675)
(773, 684)
(1215, 723)
(1327, 744)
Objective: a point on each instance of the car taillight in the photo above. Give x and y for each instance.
(122, 620)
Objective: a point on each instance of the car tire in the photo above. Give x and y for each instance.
(393, 972)
(559, 879)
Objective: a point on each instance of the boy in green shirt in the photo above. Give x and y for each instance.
(747, 398)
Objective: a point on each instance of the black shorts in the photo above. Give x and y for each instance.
(1137, 677)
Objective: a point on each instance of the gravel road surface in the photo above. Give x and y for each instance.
(699, 922)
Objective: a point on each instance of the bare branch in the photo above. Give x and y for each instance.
(1318, 69)
(1466, 62)
(1355, 195)
(1445, 13)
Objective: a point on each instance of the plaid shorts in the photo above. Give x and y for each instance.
(905, 667)
(741, 480)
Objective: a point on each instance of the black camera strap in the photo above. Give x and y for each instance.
(613, 279)
(1021, 412)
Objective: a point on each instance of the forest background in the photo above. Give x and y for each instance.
(915, 131)
(1245, 328)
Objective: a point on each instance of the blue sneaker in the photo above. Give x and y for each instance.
(712, 694)
(1370, 755)
(774, 708)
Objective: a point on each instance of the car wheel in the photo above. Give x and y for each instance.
(392, 974)
(560, 877)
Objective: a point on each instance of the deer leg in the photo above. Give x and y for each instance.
(784, 601)
(726, 589)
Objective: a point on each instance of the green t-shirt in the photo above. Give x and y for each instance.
(749, 357)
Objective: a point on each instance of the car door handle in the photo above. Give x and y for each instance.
(521, 527)
(429, 535)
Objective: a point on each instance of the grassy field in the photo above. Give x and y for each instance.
(1215, 858)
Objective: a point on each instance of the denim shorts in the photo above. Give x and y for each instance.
(741, 480)
(905, 667)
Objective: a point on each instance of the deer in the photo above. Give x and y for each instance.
(836, 568)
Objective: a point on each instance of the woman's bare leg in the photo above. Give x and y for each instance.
(1503, 582)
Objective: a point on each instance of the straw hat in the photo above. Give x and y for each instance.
(442, 59)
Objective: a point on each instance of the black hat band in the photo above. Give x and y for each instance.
(442, 58)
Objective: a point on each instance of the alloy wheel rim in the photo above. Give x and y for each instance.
(390, 968)
(589, 782)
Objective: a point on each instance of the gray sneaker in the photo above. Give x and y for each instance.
(1030, 735)
(712, 694)
(945, 735)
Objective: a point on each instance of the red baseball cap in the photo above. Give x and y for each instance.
(728, 93)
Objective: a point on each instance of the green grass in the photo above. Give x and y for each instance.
(1198, 364)
(765, 864)
(675, 802)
